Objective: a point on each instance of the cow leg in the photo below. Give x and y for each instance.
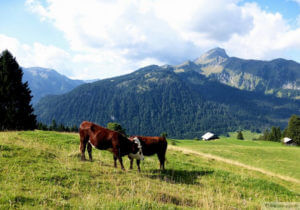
(138, 164)
(161, 158)
(89, 149)
(131, 162)
(115, 161)
(121, 162)
(83, 143)
(117, 153)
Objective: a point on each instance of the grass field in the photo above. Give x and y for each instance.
(40, 169)
(271, 156)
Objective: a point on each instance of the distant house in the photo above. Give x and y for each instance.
(209, 136)
(288, 141)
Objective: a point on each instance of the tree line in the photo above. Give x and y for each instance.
(276, 134)
(291, 131)
(57, 127)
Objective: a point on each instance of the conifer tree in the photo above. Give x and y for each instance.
(74, 128)
(293, 129)
(53, 125)
(275, 134)
(240, 135)
(266, 135)
(15, 109)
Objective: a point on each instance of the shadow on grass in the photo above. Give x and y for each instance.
(173, 141)
(20, 200)
(9, 148)
(178, 176)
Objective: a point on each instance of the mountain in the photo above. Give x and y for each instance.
(279, 77)
(212, 57)
(91, 80)
(155, 99)
(44, 82)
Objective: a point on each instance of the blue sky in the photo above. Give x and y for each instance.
(99, 39)
(19, 22)
(289, 9)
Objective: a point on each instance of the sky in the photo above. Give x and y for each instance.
(104, 38)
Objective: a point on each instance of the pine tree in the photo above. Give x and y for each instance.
(74, 128)
(42, 126)
(284, 133)
(275, 134)
(53, 125)
(278, 134)
(266, 135)
(240, 135)
(61, 127)
(293, 129)
(15, 109)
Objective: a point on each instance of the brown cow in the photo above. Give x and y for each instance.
(101, 138)
(150, 146)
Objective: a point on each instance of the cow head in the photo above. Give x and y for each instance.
(137, 149)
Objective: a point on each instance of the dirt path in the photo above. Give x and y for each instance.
(189, 151)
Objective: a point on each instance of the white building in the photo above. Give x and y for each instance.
(209, 136)
(287, 140)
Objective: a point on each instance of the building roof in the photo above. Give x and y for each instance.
(286, 139)
(208, 135)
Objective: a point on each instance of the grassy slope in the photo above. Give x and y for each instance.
(271, 156)
(42, 169)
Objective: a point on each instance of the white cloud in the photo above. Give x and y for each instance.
(218, 20)
(99, 64)
(9, 43)
(160, 29)
(298, 1)
(270, 36)
(113, 37)
(37, 54)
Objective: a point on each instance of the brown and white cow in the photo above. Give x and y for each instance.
(93, 135)
(151, 145)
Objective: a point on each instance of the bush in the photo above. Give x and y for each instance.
(240, 135)
(164, 134)
(116, 127)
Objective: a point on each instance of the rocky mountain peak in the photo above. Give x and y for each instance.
(217, 52)
(213, 56)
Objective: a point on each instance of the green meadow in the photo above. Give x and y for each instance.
(271, 156)
(42, 170)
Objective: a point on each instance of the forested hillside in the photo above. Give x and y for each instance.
(156, 99)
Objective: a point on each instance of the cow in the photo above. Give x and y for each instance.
(93, 135)
(150, 146)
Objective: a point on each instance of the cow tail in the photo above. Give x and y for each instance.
(166, 160)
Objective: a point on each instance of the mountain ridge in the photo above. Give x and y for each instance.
(279, 77)
(157, 99)
(44, 81)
